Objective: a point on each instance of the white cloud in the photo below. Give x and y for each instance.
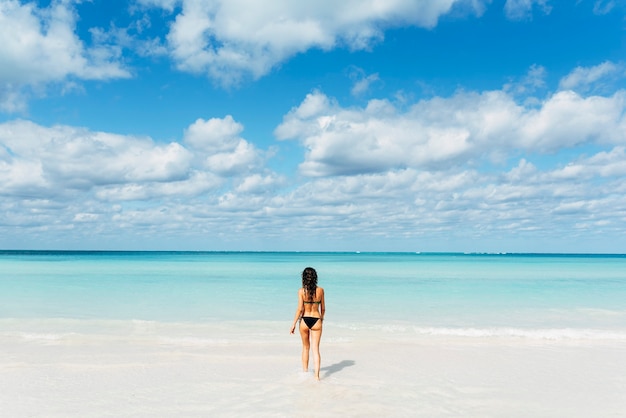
(456, 203)
(534, 80)
(243, 158)
(39, 46)
(260, 184)
(236, 39)
(437, 133)
(218, 143)
(63, 160)
(586, 78)
(196, 184)
(362, 82)
(86, 217)
(163, 4)
(602, 7)
(567, 119)
(522, 9)
(11, 98)
(78, 158)
(437, 169)
(603, 164)
(214, 135)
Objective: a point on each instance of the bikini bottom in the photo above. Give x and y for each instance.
(310, 321)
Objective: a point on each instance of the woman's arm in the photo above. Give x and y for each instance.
(322, 306)
(299, 310)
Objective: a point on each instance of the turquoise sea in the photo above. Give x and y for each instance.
(434, 293)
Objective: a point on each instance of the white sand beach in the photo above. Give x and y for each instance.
(79, 368)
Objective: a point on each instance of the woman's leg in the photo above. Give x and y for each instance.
(304, 334)
(316, 336)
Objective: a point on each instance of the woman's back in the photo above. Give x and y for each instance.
(312, 305)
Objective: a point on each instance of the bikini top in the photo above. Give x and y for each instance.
(313, 301)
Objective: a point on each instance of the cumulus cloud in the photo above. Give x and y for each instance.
(424, 170)
(218, 143)
(603, 164)
(197, 183)
(40, 46)
(260, 184)
(63, 160)
(74, 158)
(467, 166)
(458, 203)
(236, 39)
(214, 135)
(433, 134)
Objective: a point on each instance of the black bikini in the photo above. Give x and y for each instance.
(310, 321)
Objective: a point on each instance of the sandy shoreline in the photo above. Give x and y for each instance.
(148, 370)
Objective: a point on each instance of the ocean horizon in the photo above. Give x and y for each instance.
(504, 253)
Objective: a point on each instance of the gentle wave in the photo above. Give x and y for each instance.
(46, 338)
(225, 333)
(542, 334)
(407, 330)
(193, 341)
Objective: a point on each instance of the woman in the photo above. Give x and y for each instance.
(310, 313)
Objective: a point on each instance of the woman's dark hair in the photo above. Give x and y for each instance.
(309, 283)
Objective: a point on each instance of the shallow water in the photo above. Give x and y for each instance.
(429, 290)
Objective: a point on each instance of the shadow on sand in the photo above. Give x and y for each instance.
(337, 367)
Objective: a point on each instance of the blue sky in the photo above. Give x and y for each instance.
(467, 125)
